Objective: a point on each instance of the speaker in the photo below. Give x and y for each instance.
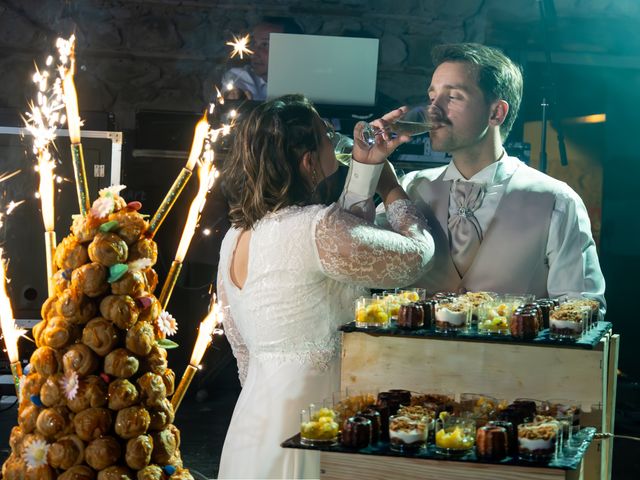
(22, 235)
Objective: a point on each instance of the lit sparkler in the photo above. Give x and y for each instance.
(199, 136)
(240, 46)
(10, 332)
(205, 335)
(66, 51)
(44, 118)
(207, 174)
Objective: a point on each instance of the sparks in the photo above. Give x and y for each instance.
(206, 176)
(10, 332)
(13, 205)
(240, 46)
(7, 176)
(219, 96)
(205, 333)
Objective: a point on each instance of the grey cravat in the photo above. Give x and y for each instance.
(464, 230)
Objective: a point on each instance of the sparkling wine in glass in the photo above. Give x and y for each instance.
(414, 122)
(342, 147)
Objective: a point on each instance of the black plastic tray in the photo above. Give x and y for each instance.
(585, 436)
(588, 341)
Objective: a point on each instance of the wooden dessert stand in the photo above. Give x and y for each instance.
(504, 369)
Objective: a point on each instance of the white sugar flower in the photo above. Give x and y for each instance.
(167, 324)
(78, 222)
(70, 384)
(35, 453)
(140, 264)
(102, 206)
(111, 191)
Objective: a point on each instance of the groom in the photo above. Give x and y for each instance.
(498, 224)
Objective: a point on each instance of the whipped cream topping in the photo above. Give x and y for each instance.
(566, 324)
(409, 436)
(453, 318)
(537, 444)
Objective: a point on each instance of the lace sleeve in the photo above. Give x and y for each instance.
(354, 251)
(234, 338)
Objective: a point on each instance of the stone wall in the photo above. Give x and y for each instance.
(168, 54)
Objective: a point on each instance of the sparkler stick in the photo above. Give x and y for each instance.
(201, 131)
(77, 155)
(10, 332)
(206, 176)
(205, 333)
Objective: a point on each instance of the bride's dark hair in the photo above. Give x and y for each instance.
(262, 173)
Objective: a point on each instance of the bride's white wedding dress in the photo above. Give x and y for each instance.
(306, 267)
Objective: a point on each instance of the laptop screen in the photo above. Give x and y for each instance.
(327, 70)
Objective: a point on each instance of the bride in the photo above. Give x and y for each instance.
(291, 267)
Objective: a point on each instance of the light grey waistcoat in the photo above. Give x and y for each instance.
(512, 255)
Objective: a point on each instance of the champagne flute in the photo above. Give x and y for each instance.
(414, 122)
(342, 146)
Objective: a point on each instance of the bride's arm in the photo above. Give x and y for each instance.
(355, 251)
(238, 347)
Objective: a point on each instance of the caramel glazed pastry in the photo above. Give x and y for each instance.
(94, 400)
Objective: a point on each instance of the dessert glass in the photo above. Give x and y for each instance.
(407, 434)
(537, 441)
(493, 317)
(410, 316)
(413, 295)
(481, 407)
(356, 432)
(492, 442)
(318, 426)
(547, 305)
(454, 435)
(543, 407)
(452, 317)
(372, 414)
(512, 435)
(423, 413)
(562, 407)
(475, 300)
(517, 299)
(371, 313)
(569, 321)
(348, 403)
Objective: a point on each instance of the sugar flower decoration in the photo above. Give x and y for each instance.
(111, 191)
(102, 207)
(78, 221)
(167, 324)
(35, 453)
(70, 384)
(140, 264)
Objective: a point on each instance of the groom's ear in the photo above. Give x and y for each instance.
(499, 112)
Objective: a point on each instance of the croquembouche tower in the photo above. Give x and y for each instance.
(94, 403)
(98, 400)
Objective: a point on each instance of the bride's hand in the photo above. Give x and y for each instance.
(384, 144)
